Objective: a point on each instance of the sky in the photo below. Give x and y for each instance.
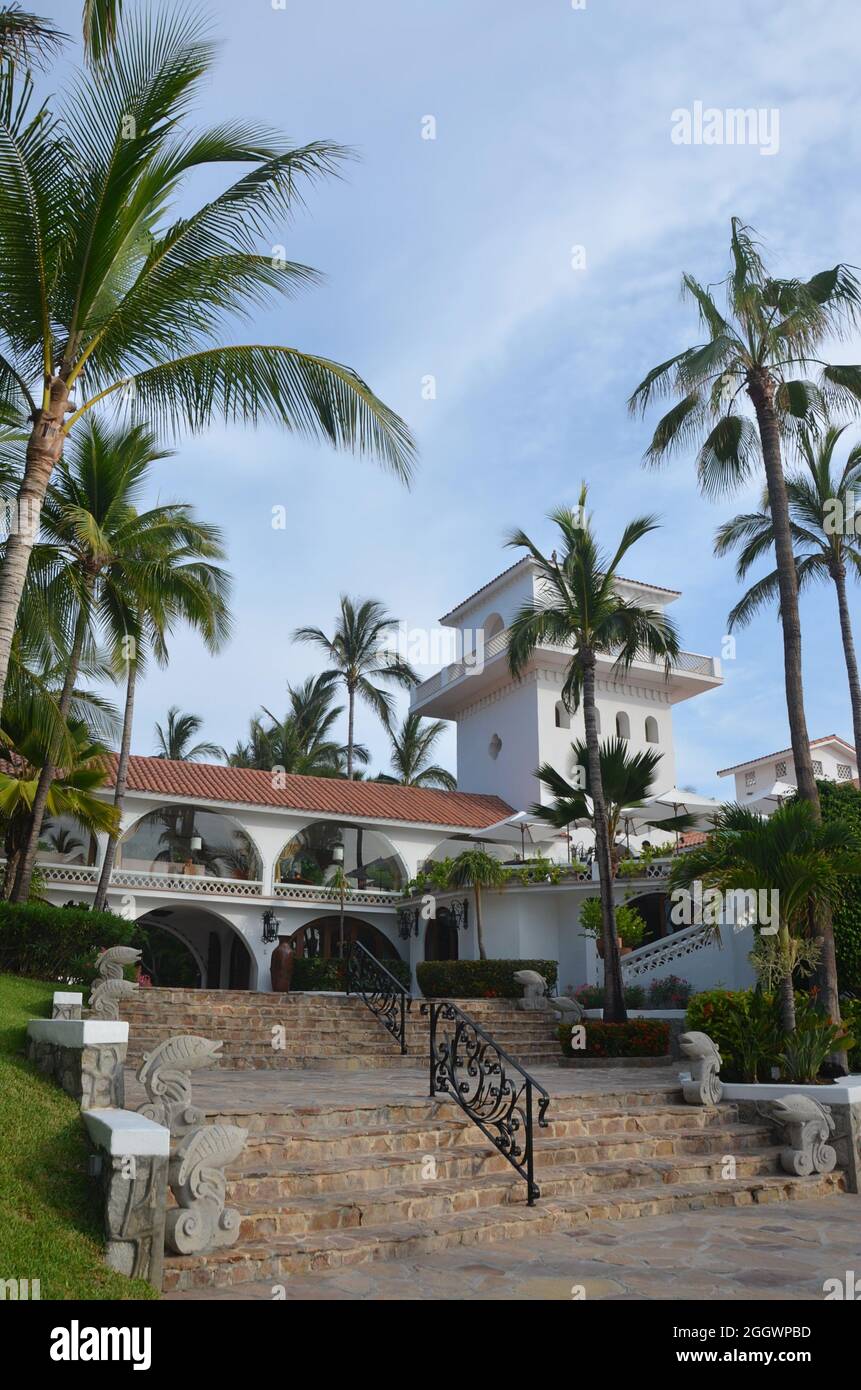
(528, 259)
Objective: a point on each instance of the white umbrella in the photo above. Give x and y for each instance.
(774, 797)
(676, 802)
(519, 826)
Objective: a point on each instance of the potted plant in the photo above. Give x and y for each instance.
(629, 925)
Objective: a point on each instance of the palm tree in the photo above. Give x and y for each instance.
(412, 748)
(173, 740)
(174, 581)
(825, 521)
(579, 607)
(789, 852)
(476, 869)
(26, 740)
(301, 742)
(627, 779)
(104, 297)
(359, 659)
(763, 352)
(27, 40)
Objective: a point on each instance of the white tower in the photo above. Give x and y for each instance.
(506, 728)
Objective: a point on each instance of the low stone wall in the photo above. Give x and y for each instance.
(843, 1099)
(132, 1156)
(85, 1056)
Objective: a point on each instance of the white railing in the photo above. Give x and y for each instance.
(317, 893)
(669, 949)
(691, 663)
(168, 883)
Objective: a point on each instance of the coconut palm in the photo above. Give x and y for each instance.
(174, 740)
(173, 581)
(476, 869)
(26, 740)
(789, 852)
(627, 779)
(764, 353)
(107, 295)
(359, 658)
(412, 749)
(26, 40)
(301, 741)
(825, 524)
(579, 607)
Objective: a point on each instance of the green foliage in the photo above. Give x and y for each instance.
(850, 1010)
(52, 1221)
(314, 973)
(43, 941)
(745, 1027)
(639, 1037)
(668, 993)
(479, 979)
(842, 801)
(805, 1050)
(592, 996)
(630, 927)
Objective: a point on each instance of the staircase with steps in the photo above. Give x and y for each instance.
(334, 1031)
(347, 1183)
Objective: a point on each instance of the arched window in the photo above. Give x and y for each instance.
(652, 730)
(190, 840)
(65, 841)
(492, 625)
(563, 718)
(623, 725)
(368, 859)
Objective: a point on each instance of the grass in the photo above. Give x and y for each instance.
(50, 1215)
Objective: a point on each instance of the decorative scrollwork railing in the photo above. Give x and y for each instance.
(385, 996)
(489, 1086)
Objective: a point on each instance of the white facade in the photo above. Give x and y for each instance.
(506, 728)
(834, 760)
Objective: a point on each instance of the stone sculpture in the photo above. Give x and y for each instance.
(67, 1005)
(534, 990)
(569, 1010)
(805, 1125)
(165, 1075)
(109, 987)
(200, 1221)
(701, 1085)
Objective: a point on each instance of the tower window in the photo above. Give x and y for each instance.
(563, 717)
(652, 730)
(623, 725)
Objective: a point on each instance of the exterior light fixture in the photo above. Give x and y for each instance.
(271, 926)
(196, 842)
(338, 852)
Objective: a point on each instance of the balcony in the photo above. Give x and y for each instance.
(447, 691)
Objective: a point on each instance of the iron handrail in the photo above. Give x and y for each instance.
(467, 1064)
(384, 995)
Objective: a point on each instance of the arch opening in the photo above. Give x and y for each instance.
(190, 840)
(367, 857)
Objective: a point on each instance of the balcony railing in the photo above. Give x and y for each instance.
(690, 663)
(319, 893)
(85, 875)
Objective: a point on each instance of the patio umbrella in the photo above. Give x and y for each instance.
(507, 832)
(675, 803)
(774, 797)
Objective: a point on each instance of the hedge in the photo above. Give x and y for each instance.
(314, 973)
(479, 979)
(639, 1037)
(842, 801)
(57, 943)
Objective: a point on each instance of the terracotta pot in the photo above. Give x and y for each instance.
(281, 966)
(599, 942)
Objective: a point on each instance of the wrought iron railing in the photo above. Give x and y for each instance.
(489, 1086)
(384, 995)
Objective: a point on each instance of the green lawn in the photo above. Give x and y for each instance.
(50, 1221)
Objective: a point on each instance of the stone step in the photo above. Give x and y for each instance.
(276, 1259)
(272, 1169)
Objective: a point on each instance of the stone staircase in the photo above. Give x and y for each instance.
(333, 1031)
(347, 1183)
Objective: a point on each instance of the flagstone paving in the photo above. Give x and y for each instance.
(771, 1254)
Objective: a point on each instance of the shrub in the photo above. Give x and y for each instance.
(479, 979)
(630, 926)
(850, 1012)
(639, 1037)
(805, 1050)
(592, 996)
(57, 943)
(842, 801)
(670, 993)
(313, 973)
(745, 1027)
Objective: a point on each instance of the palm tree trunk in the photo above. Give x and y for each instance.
(761, 391)
(21, 890)
(351, 708)
(44, 449)
(479, 934)
(786, 992)
(101, 898)
(839, 576)
(614, 998)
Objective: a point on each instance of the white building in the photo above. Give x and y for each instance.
(759, 779)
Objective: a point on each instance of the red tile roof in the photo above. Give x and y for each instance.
(320, 795)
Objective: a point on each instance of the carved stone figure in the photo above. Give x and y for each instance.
(109, 987)
(200, 1221)
(569, 1010)
(701, 1085)
(534, 990)
(67, 1005)
(165, 1075)
(805, 1127)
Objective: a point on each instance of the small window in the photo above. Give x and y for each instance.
(844, 772)
(817, 769)
(750, 779)
(563, 717)
(652, 730)
(780, 769)
(623, 725)
(495, 746)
